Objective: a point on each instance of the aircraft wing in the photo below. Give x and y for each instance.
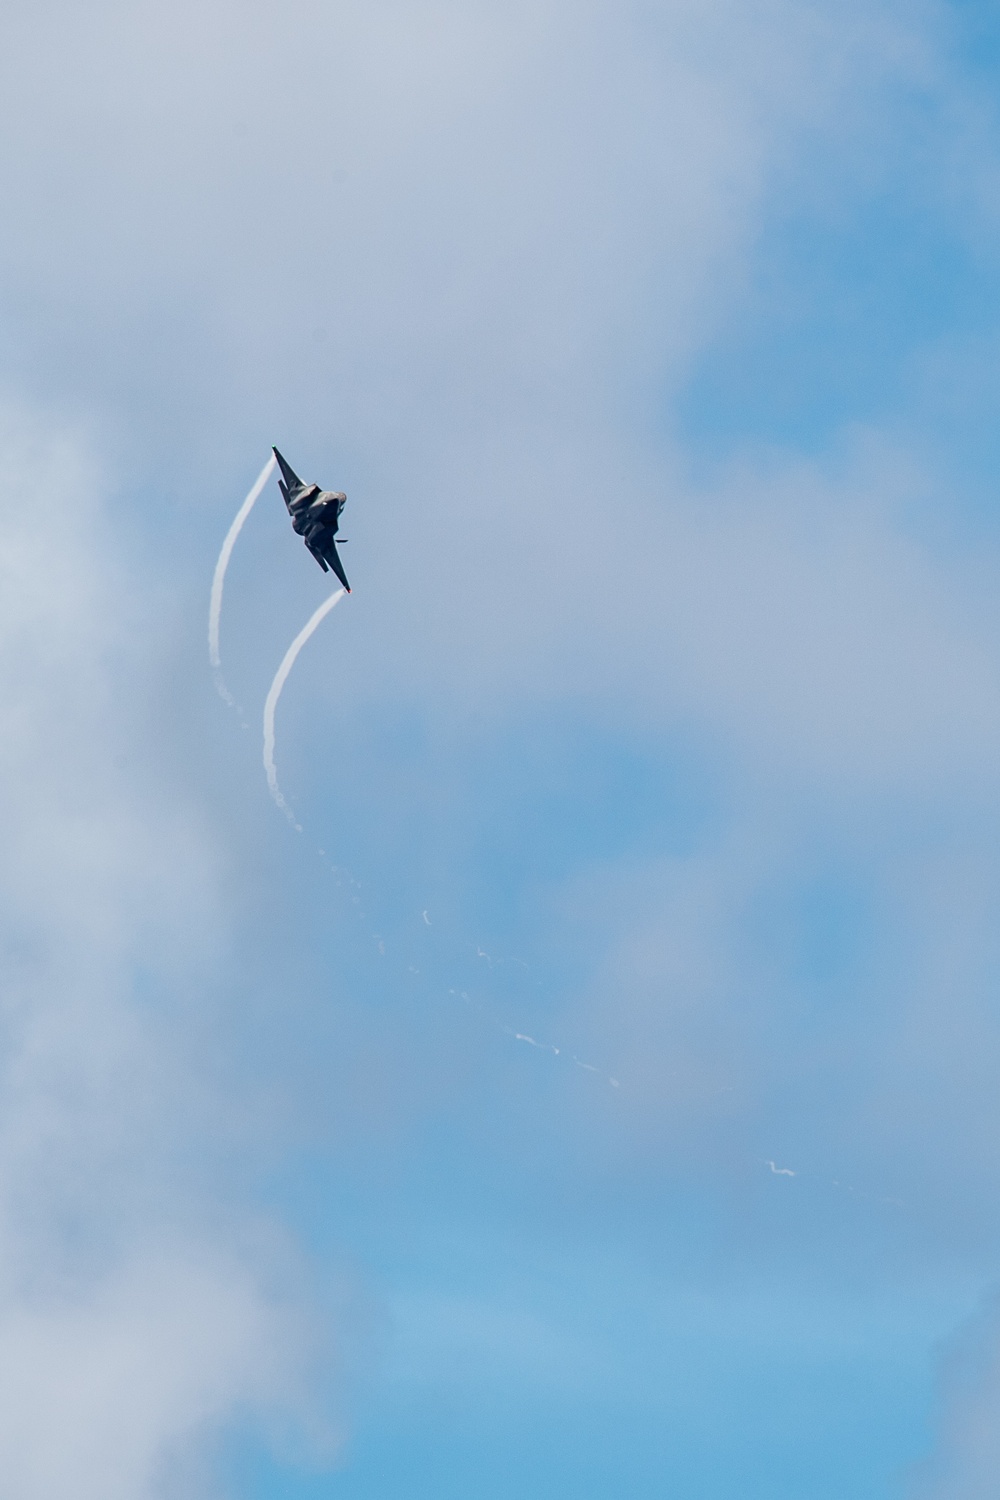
(324, 549)
(290, 485)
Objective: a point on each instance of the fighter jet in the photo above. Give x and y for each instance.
(315, 516)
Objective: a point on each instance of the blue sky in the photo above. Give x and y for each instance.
(597, 1096)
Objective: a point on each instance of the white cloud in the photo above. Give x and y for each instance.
(136, 1319)
(104, 1392)
(492, 209)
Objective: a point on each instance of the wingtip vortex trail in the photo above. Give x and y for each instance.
(219, 578)
(271, 702)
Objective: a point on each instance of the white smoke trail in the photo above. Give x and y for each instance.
(271, 703)
(219, 578)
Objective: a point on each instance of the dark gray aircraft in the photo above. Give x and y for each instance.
(315, 516)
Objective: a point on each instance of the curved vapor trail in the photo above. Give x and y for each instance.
(219, 578)
(271, 702)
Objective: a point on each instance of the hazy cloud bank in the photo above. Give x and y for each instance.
(136, 1317)
(473, 251)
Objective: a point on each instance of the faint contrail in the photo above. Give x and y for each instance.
(271, 703)
(219, 578)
